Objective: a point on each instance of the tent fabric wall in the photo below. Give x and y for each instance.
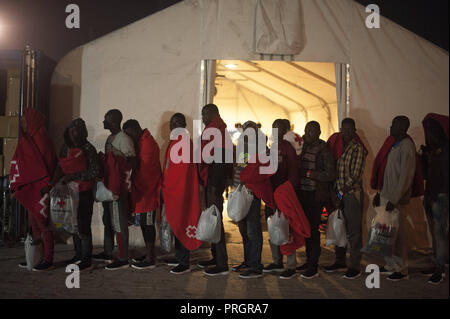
(151, 68)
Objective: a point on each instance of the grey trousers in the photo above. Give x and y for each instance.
(353, 210)
(120, 216)
(277, 257)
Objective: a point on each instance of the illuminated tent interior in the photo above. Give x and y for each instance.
(262, 91)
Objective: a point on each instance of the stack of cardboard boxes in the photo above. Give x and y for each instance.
(9, 121)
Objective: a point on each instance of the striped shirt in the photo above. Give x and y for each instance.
(350, 167)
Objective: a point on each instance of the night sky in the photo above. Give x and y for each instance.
(41, 23)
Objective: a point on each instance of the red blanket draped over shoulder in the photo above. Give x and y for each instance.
(336, 144)
(258, 183)
(181, 195)
(116, 173)
(224, 143)
(146, 179)
(287, 202)
(379, 166)
(76, 162)
(33, 165)
(441, 119)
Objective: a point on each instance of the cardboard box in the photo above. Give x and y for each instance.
(9, 126)
(9, 148)
(12, 92)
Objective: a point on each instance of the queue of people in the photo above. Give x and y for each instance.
(311, 174)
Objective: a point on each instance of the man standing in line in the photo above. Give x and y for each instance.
(350, 154)
(317, 173)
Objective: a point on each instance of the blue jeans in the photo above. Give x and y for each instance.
(251, 232)
(437, 215)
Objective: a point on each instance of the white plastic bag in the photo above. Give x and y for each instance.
(33, 254)
(383, 233)
(166, 237)
(209, 225)
(102, 194)
(278, 227)
(239, 203)
(336, 234)
(64, 207)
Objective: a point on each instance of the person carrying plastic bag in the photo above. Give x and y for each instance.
(336, 234)
(63, 207)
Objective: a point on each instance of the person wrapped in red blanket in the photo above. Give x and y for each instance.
(397, 176)
(117, 164)
(78, 163)
(145, 185)
(180, 192)
(32, 168)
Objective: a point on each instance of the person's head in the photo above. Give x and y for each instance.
(259, 125)
(76, 133)
(399, 127)
(177, 120)
(348, 129)
(209, 112)
(112, 121)
(312, 132)
(287, 123)
(251, 126)
(133, 130)
(238, 125)
(280, 125)
(434, 134)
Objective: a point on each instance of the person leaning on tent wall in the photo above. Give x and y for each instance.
(397, 158)
(287, 171)
(435, 167)
(317, 173)
(350, 154)
(70, 168)
(249, 227)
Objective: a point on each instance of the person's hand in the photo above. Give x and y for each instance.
(390, 207)
(45, 190)
(376, 200)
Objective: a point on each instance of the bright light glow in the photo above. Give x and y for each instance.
(231, 66)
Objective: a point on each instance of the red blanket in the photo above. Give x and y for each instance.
(287, 202)
(258, 183)
(379, 166)
(224, 143)
(336, 144)
(181, 195)
(147, 178)
(76, 162)
(116, 173)
(33, 165)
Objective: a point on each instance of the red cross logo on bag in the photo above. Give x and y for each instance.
(61, 203)
(191, 231)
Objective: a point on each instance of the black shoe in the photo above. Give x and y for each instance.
(138, 259)
(310, 273)
(23, 265)
(43, 266)
(172, 262)
(251, 274)
(273, 268)
(207, 263)
(85, 265)
(102, 257)
(75, 260)
(352, 274)
(118, 265)
(180, 269)
(397, 276)
(384, 271)
(241, 267)
(428, 272)
(436, 278)
(302, 267)
(216, 271)
(143, 265)
(335, 267)
(288, 274)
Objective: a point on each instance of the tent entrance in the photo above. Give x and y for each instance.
(263, 91)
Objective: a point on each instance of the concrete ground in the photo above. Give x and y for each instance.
(159, 283)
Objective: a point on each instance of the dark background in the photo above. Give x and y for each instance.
(41, 23)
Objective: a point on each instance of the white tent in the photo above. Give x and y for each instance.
(162, 64)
